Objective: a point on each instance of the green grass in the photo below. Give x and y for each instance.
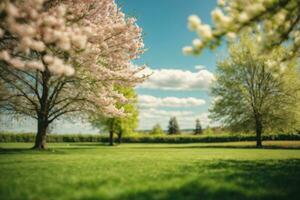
(151, 171)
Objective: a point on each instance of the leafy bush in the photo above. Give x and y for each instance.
(157, 130)
(143, 138)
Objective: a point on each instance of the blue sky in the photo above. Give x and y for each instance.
(177, 88)
(165, 33)
(165, 30)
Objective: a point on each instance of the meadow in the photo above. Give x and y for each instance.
(232, 170)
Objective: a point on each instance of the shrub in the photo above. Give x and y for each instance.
(157, 130)
(143, 138)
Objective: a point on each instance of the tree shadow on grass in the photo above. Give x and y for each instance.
(229, 146)
(56, 149)
(87, 147)
(89, 144)
(231, 179)
(29, 151)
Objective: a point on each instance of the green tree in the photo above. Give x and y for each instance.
(119, 125)
(253, 93)
(208, 130)
(198, 128)
(157, 130)
(173, 127)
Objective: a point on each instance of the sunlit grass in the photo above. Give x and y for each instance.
(151, 171)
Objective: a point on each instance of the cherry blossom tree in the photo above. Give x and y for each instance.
(273, 21)
(66, 57)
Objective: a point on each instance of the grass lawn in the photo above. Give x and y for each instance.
(151, 171)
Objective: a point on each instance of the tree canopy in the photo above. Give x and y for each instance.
(66, 57)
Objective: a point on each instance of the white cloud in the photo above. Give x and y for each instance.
(154, 113)
(199, 67)
(176, 79)
(151, 101)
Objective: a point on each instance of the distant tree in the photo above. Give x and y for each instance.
(156, 130)
(119, 125)
(127, 125)
(173, 127)
(198, 129)
(253, 93)
(208, 130)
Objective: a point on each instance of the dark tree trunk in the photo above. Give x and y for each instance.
(40, 139)
(258, 130)
(120, 137)
(111, 137)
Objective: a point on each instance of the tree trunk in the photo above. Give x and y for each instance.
(111, 138)
(40, 139)
(120, 137)
(258, 130)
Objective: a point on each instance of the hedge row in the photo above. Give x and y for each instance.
(28, 137)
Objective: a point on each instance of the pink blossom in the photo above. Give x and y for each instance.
(96, 35)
